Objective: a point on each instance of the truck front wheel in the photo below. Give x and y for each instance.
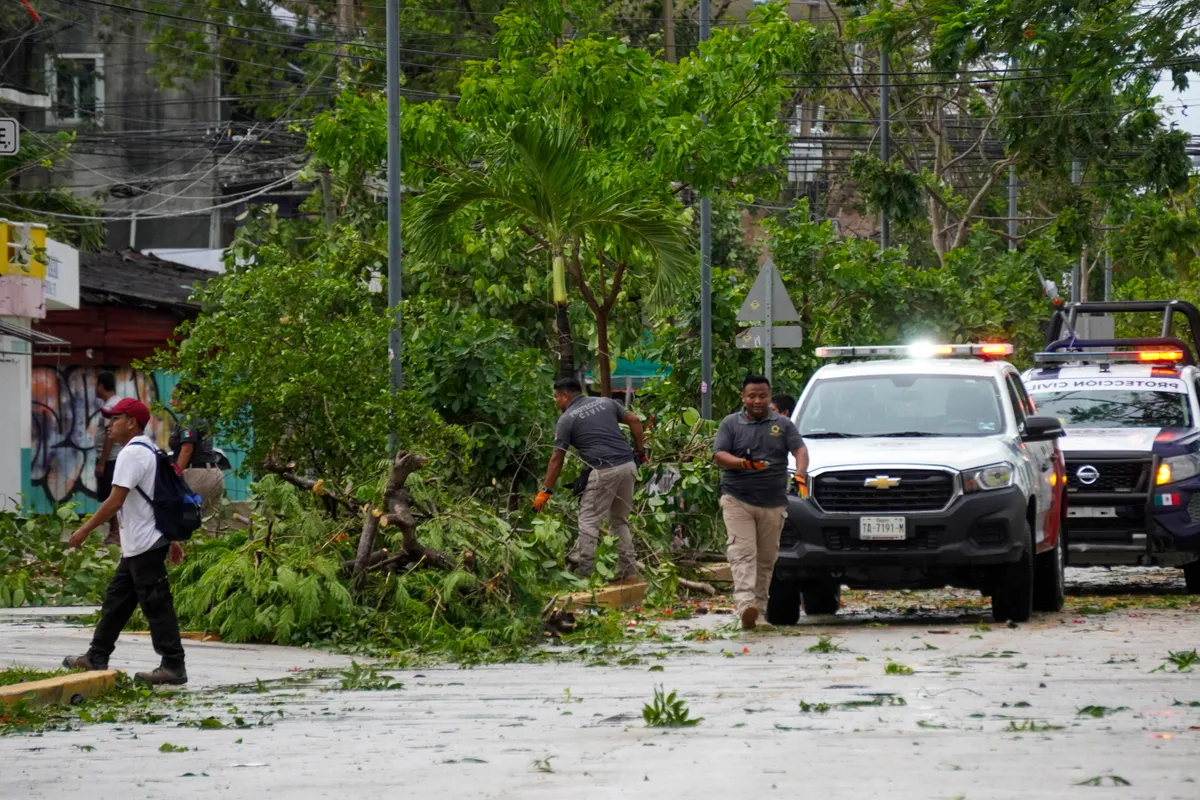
(783, 602)
(1012, 598)
(1191, 577)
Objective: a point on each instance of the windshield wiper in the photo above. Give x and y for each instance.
(899, 434)
(831, 435)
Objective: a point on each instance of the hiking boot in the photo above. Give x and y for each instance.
(81, 662)
(749, 618)
(163, 676)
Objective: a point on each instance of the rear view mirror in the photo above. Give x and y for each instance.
(1042, 429)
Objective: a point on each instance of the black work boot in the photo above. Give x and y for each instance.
(163, 676)
(82, 662)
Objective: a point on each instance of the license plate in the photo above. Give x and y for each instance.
(882, 529)
(1092, 512)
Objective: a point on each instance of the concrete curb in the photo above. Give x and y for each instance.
(625, 596)
(196, 636)
(61, 690)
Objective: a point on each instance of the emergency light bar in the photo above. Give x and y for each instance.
(1111, 356)
(918, 350)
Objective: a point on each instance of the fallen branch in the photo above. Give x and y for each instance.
(697, 586)
(288, 473)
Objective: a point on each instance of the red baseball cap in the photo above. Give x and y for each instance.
(129, 407)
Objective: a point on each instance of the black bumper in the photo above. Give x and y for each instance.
(956, 546)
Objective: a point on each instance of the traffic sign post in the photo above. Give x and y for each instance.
(10, 137)
(768, 301)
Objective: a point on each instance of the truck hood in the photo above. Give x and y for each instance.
(953, 452)
(1127, 440)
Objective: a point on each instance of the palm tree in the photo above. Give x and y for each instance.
(539, 174)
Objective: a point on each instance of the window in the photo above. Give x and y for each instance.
(75, 82)
(1014, 394)
(902, 406)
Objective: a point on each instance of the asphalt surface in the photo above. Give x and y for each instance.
(988, 712)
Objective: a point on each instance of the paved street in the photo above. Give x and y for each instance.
(989, 712)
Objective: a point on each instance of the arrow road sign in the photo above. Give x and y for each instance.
(782, 336)
(754, 309)
(10, 137)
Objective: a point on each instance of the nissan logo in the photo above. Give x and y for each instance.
(1087, 474)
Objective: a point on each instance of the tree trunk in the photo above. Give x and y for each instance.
(566, 349)
(603, 361)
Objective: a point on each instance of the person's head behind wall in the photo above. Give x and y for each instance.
(106, 385)
(127, 419)
(756, 395)
(783, 404)
(566, 390)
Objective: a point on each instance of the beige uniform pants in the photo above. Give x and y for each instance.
(209, 483)
(609, 493)
(752, 544)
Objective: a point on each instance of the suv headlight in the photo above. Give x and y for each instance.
(1177, 468)
(983, 479)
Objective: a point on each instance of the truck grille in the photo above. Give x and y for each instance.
(918, 490)
(1115, 476)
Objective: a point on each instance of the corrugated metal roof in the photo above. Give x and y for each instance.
(131, 277)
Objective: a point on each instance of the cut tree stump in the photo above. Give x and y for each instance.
(623, 596)
(716, 573)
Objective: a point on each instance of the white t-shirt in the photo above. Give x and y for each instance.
(115, 450)
(135, 469)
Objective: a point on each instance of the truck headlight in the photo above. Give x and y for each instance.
(1177, 468)
(994, 476)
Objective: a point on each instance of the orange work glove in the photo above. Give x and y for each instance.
(540, 501)
(801, 482)
(748, 464)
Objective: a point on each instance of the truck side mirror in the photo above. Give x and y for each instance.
(1042, 429)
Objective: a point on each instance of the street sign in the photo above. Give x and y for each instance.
(10, 137)
(782, 336)
(755, 307)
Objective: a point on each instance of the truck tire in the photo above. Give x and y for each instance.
(822, 598)
(1012, 599)
(783, 602)
(1191, 577)
(1049, 578)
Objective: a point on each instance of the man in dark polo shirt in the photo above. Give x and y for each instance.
(752, 447)
(592, 425)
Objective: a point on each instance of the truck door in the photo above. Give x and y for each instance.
(1043, 457)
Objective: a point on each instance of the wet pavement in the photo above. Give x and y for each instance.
(1050, 709)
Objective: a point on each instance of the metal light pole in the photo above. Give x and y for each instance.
(1012, 207)
(395, 185)
(885, 226)
(1077, 270)
(705, 268)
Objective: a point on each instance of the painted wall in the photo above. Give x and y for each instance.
(66, 416)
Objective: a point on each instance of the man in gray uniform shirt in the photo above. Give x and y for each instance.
(752, 448)
(592, 426)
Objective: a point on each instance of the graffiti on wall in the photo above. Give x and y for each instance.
(66, 421)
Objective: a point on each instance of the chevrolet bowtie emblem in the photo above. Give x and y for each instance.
(881, 482)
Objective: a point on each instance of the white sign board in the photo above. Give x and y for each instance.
(10, 137)
(62, 277)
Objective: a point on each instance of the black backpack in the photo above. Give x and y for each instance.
(176, 507)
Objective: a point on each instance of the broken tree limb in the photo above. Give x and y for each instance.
(288, 473)
(397, 501)
(697, 586)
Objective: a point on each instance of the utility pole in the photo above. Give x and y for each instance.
(884, 124)
(669, 29)
(1077, 271)
(1012, 206)
(395, 186)
(705, 267)
(1107, 274)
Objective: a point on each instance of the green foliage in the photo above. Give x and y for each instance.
(825, 644)
(896, 668)
(668, 711)
(25, 200)
(18, 674)
(887, 187)
(38, 569)
(357, 678)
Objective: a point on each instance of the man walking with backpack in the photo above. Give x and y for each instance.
(141, 576)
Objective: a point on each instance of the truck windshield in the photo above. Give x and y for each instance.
(902, 405)
(1116, 409)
